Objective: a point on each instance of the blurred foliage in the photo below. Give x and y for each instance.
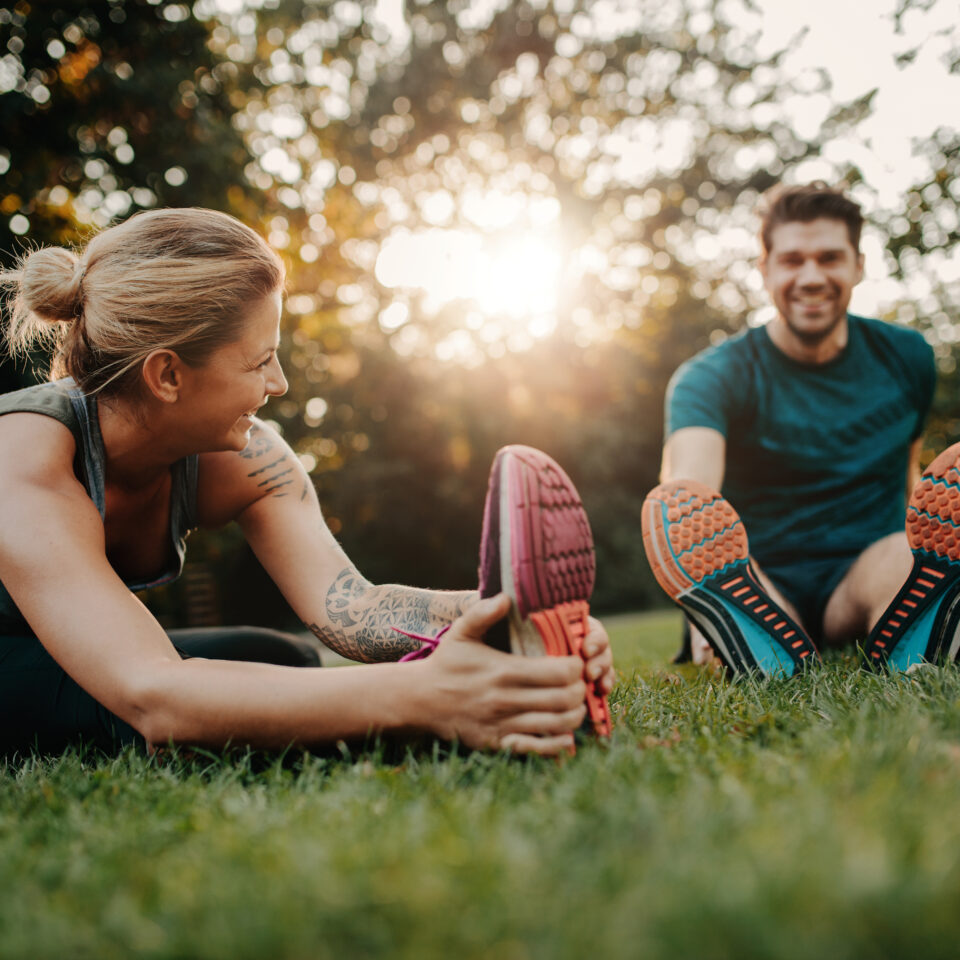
(633, 140)
(107, 108)
(923, 241)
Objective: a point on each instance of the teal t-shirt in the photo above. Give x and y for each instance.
(816, 453)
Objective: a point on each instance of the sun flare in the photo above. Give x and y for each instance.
(516, 279)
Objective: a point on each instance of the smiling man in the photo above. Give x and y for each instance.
(811, 428)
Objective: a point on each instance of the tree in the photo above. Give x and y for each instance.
(606, 160)
(106, 109)
(635, 146)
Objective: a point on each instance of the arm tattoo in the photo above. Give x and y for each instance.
(276, 481)
(360, 616)
(260, 443)
(260, 470)
(274, 476)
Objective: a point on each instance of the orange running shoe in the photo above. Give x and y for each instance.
(537, 547)
(697, 548)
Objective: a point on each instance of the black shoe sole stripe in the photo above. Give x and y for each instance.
(929, 578)
(720, 629)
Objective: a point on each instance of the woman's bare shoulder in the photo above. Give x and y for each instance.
(43, 503)
(35, 448)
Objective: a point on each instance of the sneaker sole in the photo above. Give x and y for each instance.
(546, 560)
(698, 550)
(922, 624)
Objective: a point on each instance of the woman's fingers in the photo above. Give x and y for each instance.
(598, 663)
(506, 669)
(502, 701)
(545, 746)
(544, 671)
(548, 723)
(473, 625)
(601, 669)
(519, 700)
(599, 656)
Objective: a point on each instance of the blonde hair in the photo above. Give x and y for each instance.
(180, 279)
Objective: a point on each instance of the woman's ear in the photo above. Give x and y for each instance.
(162, 372)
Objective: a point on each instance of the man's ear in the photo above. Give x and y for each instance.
(162, 372)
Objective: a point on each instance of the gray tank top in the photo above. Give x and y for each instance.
(64, 402)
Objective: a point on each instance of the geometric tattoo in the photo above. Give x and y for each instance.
(361, 616)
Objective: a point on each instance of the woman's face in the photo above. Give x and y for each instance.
(238, 379)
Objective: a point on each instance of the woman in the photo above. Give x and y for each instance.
(166, 331)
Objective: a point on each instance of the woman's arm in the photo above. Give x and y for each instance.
(266, 488)
(361, 616)
(53, 562)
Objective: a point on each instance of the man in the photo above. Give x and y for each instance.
(811, 427)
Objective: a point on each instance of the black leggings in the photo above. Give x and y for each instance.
(43, 710)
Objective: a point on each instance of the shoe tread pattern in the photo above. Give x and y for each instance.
(702, 535)
(933, 533)
(699, 553)
(563, 629)
(555, 562)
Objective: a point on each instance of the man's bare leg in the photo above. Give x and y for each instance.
(856, 604)
(866, 590)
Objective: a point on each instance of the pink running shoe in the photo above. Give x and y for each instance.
(537, 547)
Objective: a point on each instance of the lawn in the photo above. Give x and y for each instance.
(816, 817)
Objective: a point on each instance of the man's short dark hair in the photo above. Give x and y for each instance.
(813, 201)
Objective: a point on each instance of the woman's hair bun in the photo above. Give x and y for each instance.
(51, 284)
(180, 279)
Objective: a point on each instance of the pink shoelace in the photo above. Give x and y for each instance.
(429, 644)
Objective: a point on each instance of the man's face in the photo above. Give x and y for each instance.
(810, 272)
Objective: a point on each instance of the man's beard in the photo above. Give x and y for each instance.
(812, 337)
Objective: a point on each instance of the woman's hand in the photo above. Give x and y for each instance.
(598, 657)
(488, 699)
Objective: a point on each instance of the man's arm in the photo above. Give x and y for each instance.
(913, 465)
(695, 453)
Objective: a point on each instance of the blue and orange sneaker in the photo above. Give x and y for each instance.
(536, 546)
(922, 624)
(697, 547)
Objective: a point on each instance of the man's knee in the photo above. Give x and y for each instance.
(867, 587)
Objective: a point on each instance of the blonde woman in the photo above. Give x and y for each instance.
(166, 330)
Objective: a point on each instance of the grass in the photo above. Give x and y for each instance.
(816, 817)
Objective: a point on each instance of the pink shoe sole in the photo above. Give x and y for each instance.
(537, 547)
